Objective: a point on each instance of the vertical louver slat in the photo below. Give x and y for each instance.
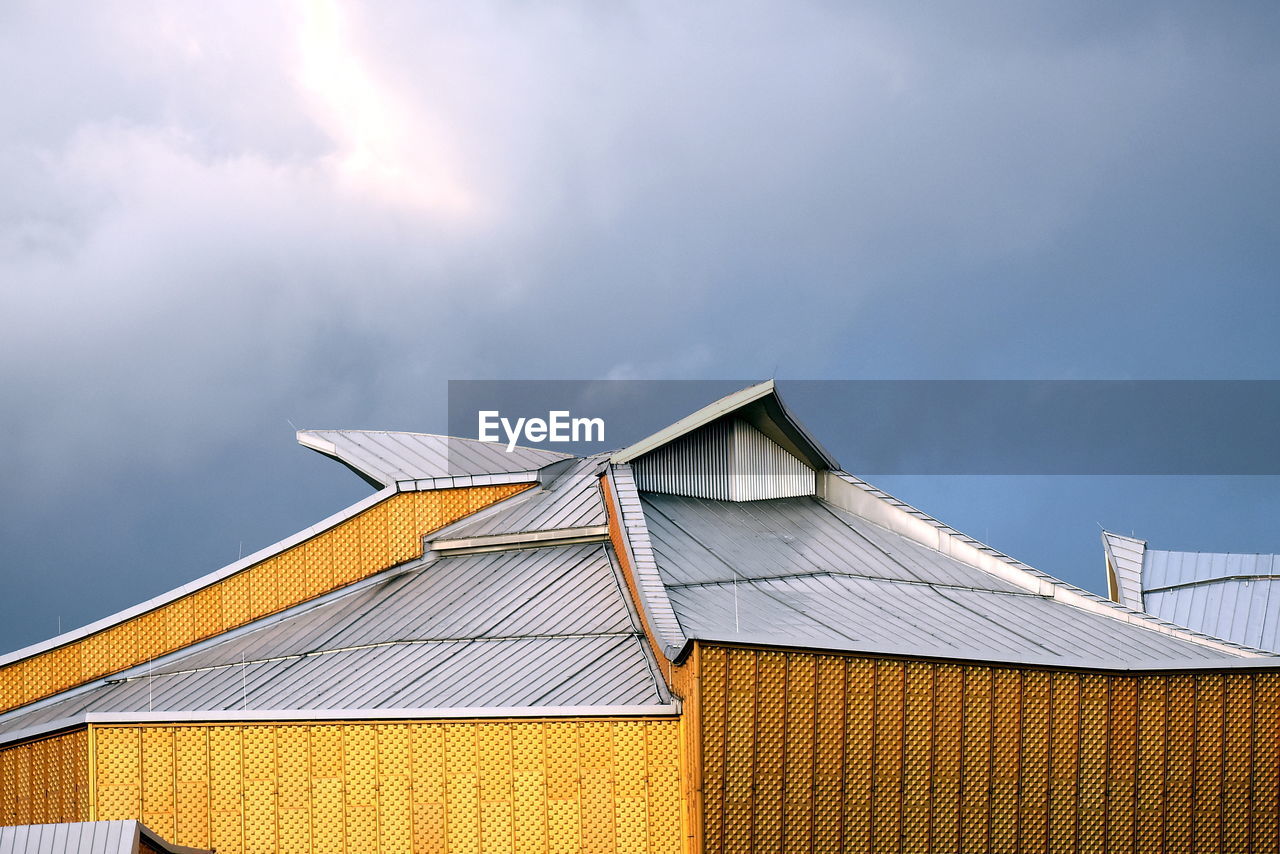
(727, 460)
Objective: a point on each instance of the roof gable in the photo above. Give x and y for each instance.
(758, 405)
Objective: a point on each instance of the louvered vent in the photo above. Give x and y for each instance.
(728, 460)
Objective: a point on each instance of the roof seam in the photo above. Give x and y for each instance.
(378, 645)
(831, 573)
(1199, 582)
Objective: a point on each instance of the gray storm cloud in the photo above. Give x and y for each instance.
(219, 215)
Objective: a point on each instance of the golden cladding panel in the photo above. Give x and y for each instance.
(1236, 754)
(829, 761)
(1091, 818)
(1152, 704)
(858, 737)
(886, 781)
(1209, 719)
(948, 726)
(917, 795)
(1064, 756)
(1033, 773)
(770, 750)
(384, 535)
(45, 781)
(1265, 800)
(975, 822)
(1006, 756)
(491, 786)
(740, 735)
(941, 757)
(1179, 761)
(1122, 751)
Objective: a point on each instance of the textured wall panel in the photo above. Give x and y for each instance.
(1122, 752)
(1179, 761)
(859, 737)
(1033, 771)
(384, 535)
(1207, 816)
(1064, 762)
(1006, 755)
(45, 781)
(487, 786)
(800, 724)
(917, 772)
(939, 757)
(1152, 704)
(1265, 787)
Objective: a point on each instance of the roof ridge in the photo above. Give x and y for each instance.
(1091, 601)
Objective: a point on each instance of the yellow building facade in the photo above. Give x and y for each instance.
(538, 653)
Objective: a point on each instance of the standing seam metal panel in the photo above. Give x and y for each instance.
(384, 535)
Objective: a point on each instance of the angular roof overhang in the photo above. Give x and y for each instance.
(759, 405)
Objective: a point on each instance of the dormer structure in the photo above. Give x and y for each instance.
(714, 640)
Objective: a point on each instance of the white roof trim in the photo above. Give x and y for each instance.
(292, 715)
(557, 536)
(692, 422)
(1123, 572)
(465, 480)
(877, 506)
(200, 583)
(875, 648)
(654, 602)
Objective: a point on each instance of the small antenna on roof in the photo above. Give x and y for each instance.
(291, 424)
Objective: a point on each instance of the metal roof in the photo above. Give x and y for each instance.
(84, 837)
(762, 407)
(1124, 568)
(1231, 596)
(571, 500)
(800, 572)
(548, 627)
(385, 458)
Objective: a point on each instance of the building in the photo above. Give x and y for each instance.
(1231, 596)
(713, 640)
(87, 837)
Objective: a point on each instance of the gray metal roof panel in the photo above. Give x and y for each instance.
(600, 670)
(392, 457)
(572, 500)
(1235, 597)
(548, 626)
(1124, 559)
(1168, 569)
(803, 573)
(1245, 611)
(82, 837)
(700, 539)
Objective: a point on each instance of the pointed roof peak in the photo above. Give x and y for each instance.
(761, 406)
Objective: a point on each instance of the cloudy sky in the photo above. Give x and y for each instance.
(221, 219)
